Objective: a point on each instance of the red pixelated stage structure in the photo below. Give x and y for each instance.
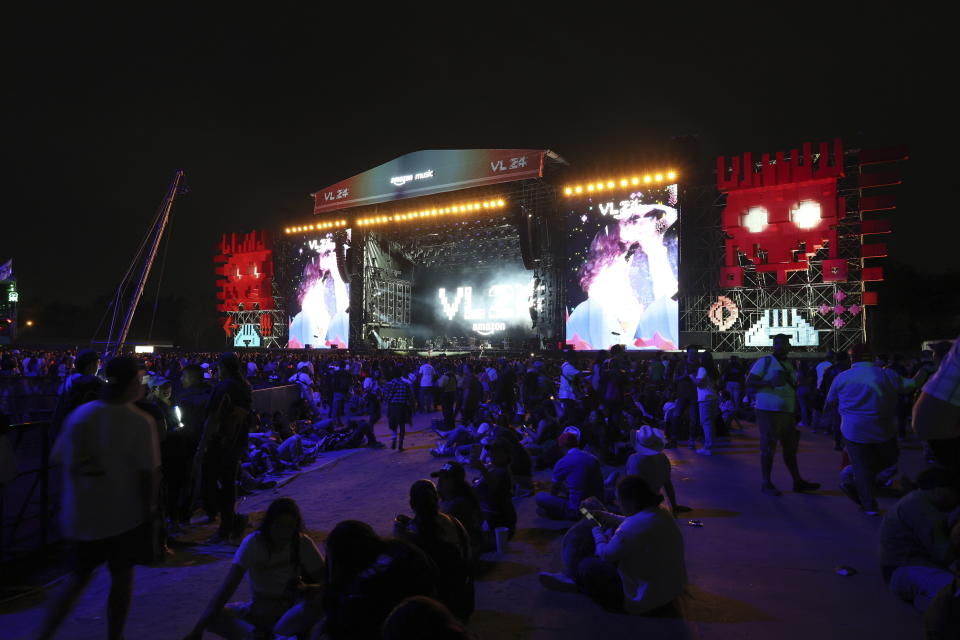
(247, 297)
(799, 244)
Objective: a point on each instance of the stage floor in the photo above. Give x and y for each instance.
(760, 567)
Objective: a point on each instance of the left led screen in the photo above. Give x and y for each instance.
(320, 297)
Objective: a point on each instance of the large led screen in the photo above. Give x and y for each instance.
(621, 279)
(320, 298)
(485, 305)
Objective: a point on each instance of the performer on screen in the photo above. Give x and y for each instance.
(630, 278)
(323, 320)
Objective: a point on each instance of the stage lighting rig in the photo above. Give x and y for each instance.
(658, 177)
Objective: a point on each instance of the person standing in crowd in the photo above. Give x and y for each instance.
(638, 565)
(341, 380)
(223, 442)
(399, 398)
(733, 376)
(192, 401)
(706, 379)
(110, 461)
(577, 472)
(686, 400)
(427, 378)
(773, 380)
(570, 387)
(80, 387)
(936, 415)
(867, 398)
(447, 385)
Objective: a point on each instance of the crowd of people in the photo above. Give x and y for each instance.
(177, 434)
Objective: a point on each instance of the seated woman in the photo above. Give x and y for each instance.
(283, 564)
(446, 541)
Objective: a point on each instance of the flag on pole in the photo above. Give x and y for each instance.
(6, 270)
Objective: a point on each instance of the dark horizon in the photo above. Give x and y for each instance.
(262, 110)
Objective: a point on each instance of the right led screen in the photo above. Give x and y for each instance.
(621, 278)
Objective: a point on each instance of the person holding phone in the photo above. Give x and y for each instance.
(774, 382)
(638, 562)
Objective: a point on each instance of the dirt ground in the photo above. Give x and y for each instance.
(760, 567)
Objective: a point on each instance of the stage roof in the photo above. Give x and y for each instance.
(427, 172)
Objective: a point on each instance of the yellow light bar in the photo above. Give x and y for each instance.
(602, 185)
(316, 226)
(459, 208)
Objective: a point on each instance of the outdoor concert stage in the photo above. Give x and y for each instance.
(513, 250)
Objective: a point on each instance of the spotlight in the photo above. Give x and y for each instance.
(635, 180)
(590, 188)
(499, 203)
(579, 189)
(610, 184)
(599, 186)
(647, 179)
(623, 182)
(671, 175)
(567, 191)
(659, 177)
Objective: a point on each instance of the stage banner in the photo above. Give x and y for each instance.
(424, 173)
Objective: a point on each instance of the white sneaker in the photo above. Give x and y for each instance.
(704, 452)
(558, 582)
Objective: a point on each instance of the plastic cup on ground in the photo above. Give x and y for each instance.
(502, 536)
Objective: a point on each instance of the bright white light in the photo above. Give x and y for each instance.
(583, 218)
(806, 215)
(143, 349)
(755, 219)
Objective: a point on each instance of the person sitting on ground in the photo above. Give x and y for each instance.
(495, 487)
(444, 539)
(422, 618)
(283, 563)
(577, 472)
(459, 500)
(650, 463)
(941, 620)
(915, 550)
(367, 577)
(638, 565)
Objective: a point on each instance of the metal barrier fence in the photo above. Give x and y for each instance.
(25, 399)
(30, 502)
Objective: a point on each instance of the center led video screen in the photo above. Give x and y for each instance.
(622, 268)
(319, 299)
(485, 304)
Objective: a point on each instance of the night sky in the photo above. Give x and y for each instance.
(262, 108)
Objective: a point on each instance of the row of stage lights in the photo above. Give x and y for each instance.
(655, 178)
(464, 207)
(467, 207)
(322, 226)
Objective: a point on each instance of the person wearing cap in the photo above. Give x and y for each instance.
(459, 500)
(867, 398)
(495, 487)
(651, 463)
(578, 473)
(638, 564)
(773, 380)
(110, 458)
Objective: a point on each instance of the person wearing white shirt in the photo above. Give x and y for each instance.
(570, 380)
(427, 376)
(110, 459)
(706, 380)
(639, 564)
(773, 380)
(866, 397)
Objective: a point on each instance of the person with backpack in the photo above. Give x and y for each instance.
(222, 443)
